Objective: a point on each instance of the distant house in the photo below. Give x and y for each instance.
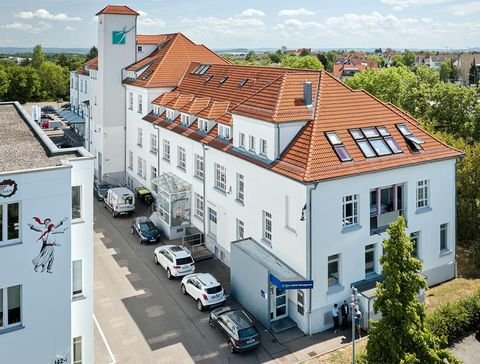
(435, 61)
(464, 63)
(345, 67)
(298, 51)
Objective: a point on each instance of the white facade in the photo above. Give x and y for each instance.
(48, 315)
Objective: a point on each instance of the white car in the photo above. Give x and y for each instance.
(204, 289)
(176, 260)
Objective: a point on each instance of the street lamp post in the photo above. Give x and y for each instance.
(353, 305)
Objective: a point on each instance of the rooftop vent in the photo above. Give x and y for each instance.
(307, 93)
(223, 80)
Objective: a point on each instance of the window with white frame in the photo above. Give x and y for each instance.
(415, 239)
(141, 168)
(9, 222)
(166, 150)
(86, 87)
(139, 137)
(333, 270)
(251, 146)
(370, 259)
(170, 114)
(185, 120)
(76, 202)
(77, 350)
(140, 104)
(224, 132)
(198, 172)
(240, 229)
(182, 158)
(77, 278)
(443, 237)
(350, 210)
(240, 188)
(422, 194)
(130, 160)
(199, 205)
(241, 140)
(203, 125)
(10, 307)
(220, 177)
(263, 147)
(153, 143)
(267, 226)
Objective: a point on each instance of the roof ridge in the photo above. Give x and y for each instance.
(279, 96)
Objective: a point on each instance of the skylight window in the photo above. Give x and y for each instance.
(383, 131)
(243, 82)
(370, 132)
(375, 141)
(413, 141)
(222, 81)
(380, 147)
(404, 129)
(195, 69)
(338, 146)
(203, 70)
(366, 149)
(356, 134)
(393, 145)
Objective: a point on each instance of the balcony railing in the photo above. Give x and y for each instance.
(380, 222)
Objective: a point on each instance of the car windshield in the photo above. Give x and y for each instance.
(147, 226)
(182, 261)
(249, 331)
(213, 290)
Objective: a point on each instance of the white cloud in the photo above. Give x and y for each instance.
(252, 12)
(45, 14)
(401, 4)
(70, 29)
(465, 9)
(296, 24)
(151, 22)
(295, 12)
(40, 27)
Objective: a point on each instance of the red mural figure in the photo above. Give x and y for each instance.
(45, 257)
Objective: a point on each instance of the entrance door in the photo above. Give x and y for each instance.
(278, 303)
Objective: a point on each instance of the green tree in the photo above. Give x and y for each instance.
(24, 84)
(445, 70)
(397, 61)
(38, 57)
(4, 84)
(92, 53)
(379, 59)
(251, 56)
(310, 62)
(54, 80)
(473, 74)
(401, 335)
(305, 52)
(275, 57)
(408, 58)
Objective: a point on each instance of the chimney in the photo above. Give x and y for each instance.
(307, 93)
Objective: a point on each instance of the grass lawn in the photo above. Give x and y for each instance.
(467, 282)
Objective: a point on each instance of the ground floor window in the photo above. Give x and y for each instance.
(333, 270)
(77, 350)
(10, 306)
(415, 238)
(370, 259)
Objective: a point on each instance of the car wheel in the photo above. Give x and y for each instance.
(155, 259)
(199, 305)
(231, 347)
(114, 214)
(184, 290)
(169, 274)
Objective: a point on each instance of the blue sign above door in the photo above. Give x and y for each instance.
(291, 284)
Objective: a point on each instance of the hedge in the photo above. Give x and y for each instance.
(456, 320)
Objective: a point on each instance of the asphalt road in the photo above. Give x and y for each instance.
(143, 316)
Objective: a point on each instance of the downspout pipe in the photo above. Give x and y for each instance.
(309, 214)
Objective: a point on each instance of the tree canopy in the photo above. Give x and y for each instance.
(38, 56)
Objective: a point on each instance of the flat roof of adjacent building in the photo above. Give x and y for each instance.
(23, 145)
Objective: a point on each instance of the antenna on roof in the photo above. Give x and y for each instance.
(307, 93)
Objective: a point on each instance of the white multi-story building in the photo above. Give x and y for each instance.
(291, 176)
(46, 246)
(291, 168)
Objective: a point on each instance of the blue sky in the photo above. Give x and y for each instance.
(251, 24)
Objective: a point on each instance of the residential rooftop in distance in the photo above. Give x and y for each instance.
(23, 145)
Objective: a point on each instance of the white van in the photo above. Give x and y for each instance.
(120, 200)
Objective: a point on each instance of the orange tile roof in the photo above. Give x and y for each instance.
(277, 96)
(180, 101)
(92, 64)
(152, 38)
(172, 60)
(196, 105)
(118, 10)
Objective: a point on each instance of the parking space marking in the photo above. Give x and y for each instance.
(104, 340)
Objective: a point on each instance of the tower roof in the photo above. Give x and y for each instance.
(118, 10)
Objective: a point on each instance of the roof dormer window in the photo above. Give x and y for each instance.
(170, 115)
(185, 120)
(203, 125)
(224, 132)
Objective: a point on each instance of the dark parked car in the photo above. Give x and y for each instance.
(46, 116)
(48, 109)
(144, 228)
(100, 190)
(237, 327)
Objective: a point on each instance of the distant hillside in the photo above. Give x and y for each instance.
(14, 50)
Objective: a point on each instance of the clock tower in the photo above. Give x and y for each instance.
(117, 30)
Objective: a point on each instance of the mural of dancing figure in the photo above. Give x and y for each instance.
(45, 257)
